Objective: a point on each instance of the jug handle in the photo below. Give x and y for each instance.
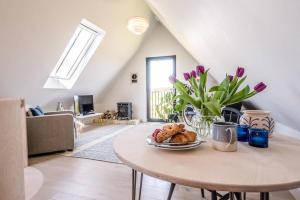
(188, 122)
(231, 136)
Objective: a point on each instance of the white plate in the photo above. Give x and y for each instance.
(171, 146)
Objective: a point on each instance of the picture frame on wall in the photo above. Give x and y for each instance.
(134, 78)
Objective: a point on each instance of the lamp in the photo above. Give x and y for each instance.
(137, 25)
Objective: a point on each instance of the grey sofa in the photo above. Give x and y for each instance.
(51, 132)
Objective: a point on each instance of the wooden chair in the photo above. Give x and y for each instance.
(231, 114)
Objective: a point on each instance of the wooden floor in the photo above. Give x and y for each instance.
(67, 178)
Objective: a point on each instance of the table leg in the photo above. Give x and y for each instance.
(264, 196)
(202, 193)
(214, 195)
(244, 195)
(133, 183)
(225, 197)
(171, 191)
(267, 196)
(238, 195)
(231, 194)
(141, 185)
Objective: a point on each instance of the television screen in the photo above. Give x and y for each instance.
(84, 104)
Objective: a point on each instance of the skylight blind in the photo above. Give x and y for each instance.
(75, 54)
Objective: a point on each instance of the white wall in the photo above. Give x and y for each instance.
(261, 35)
(34, 34)
(159, 43)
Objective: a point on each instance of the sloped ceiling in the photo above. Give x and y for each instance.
(34, 34)
(263, 36)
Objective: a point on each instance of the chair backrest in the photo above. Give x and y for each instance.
(188, 114)
(231, 114)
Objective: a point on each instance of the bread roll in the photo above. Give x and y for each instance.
(184, 138)
(170, 130)
(179, 139)
(163, 135)
(190, 135)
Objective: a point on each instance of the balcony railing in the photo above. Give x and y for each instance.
(156, 97)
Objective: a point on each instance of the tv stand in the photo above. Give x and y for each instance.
(85, 114)
(88, 118)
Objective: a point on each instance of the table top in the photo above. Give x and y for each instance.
(249, 169)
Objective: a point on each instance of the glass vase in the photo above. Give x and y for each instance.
(202, 124)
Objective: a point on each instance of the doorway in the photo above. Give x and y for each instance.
(159, 89)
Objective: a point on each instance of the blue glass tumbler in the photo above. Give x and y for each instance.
(243, 133)
(258, 137)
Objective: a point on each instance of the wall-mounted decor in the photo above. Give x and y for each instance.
(60, 106)
(134, 78)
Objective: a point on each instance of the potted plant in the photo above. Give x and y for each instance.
(208, 102)
(165, 108)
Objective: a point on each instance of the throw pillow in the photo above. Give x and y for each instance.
(40, 109)
(29, 113)
(35, 112)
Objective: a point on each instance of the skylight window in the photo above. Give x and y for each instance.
(75, 57)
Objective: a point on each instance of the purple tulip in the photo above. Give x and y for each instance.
(172, 79)
(186, 76)
(230, 77)
(240, 71)
(200, 70)
(260, 87)
(193, 74)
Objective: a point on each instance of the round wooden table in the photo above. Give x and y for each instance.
(249, 169)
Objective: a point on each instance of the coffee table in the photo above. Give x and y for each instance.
(249, 169)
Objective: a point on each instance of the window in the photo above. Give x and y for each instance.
(75, 57)
(159, 89)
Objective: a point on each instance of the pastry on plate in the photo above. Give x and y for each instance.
(167, 132)
(163, 135)
(183, 138)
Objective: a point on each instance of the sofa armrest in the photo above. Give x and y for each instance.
(60, 112)
(49, 133)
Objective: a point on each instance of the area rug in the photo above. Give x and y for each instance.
(97, 143)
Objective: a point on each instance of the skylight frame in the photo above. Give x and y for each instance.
(67, 78)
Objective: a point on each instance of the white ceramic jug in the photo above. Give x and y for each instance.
(258, 119)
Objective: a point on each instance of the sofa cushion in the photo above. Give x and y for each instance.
(35, 112)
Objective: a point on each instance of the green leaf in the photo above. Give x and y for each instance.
(218, 95)
(225, 84)
(241, 94)
(194, 86)
(214, 88)
(203, 80)
(236, 87)
(217, 88)
(188, 99)
(181, 88)
(233, 83)
(179, 107)
(245, 97)
(233, 90)
(202, 85)
(214, 107)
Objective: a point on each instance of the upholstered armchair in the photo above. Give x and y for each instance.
(51, 132)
